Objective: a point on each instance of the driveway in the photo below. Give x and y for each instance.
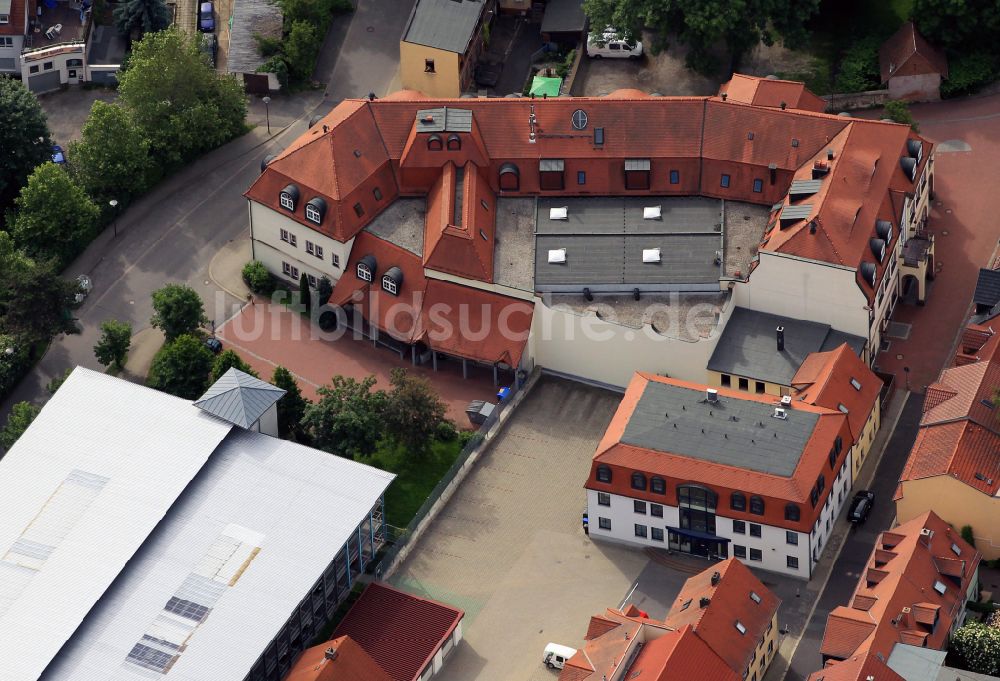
(267, 335)
(664, 73)
(67, 110)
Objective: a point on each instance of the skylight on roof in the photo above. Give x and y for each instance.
(559, 213)
(557, 256)
(956, 550)
(651, 255)
(651, 213)
(740, 628)
(687, 604)
(755, 597)
(855, 383)
(940, 587)
(842, 407)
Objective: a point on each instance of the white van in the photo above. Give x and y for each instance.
(556, 655)
(613, 46)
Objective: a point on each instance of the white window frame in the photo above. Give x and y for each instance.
(319, 251)
(364, 274)
(293, 240)
(289, 270)
(309, 247)
(283, 234)
(390, 286)
(313, 282)
(286, 201)
(313, 214)
(4, 18)
(335, 260)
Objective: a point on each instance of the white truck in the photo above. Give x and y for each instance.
(556, 656)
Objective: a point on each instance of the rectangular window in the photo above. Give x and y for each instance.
(603, 499)
(312, 280)
(319, 252)
(758, 186)
(725, 181)
(739, 527)
(792, 538)
(33, 69)
(4, 18)
(744, 384)
(377, 193)
(358, 210)
(675, 177)
(604, 523)
(598, 135)
(290, 270)
(656, 510)
(739, 551)
(581, 177)
(754, 530)
(727, 381)
(656, 533)
(756, 555)
(309, 247)
(792, 562)
(639, 507)
(47, 66)
(428, 66)
(284, 235)
(336, 260)
(640, 531)
(759, 387)
(293, 240)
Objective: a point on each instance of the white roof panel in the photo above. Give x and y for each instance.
(249, 538)
(80, 492)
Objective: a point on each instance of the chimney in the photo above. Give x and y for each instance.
(325, 129)
(783, 105)
(715, 578)
(772, 169)
(330, 654)
(724, 95)
(829, 154)
(372, 97)
(780, 332)
(704, 601)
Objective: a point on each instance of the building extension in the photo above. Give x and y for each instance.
(143, 536)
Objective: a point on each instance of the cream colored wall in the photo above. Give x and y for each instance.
(755, 672)
(714, 378)
(589, 347)
(859, 453)
(807, 290)
(957, 504)
(444, 82)
(266, 225)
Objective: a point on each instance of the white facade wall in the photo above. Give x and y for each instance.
(265, 231)
(68, 60)
(840, 494)
(10, 55)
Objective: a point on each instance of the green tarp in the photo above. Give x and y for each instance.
(545, 86)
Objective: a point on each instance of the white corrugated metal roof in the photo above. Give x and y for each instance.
(79, 494)
(270, 513)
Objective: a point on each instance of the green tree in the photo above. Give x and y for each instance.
(965, 25)
(111, 160)
(116, 339)
(181, 368)
(55, 218)
(413, 412)
(301, 47)
(142, 17)
(15, 359)
(256, 276)
(968, 536)
(34, 302)
(21, 416)
(978, 646)
(347, 419)
(181, 105)
(228, 359)
(899, 111)
(859, 69)
(305, 293)
(323, 291)
(291, 407)
(177, 310)
(53, 386)
(24, 138)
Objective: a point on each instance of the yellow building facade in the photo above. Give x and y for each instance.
(434, 72)
(957, 504)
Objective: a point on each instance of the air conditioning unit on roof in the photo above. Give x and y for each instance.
(786, 400)
(557, 256)
(651, 255)
(780, 413)
(559, 213)
(651, 213)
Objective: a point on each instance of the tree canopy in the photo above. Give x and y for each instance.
(291, 407)
(228, 359)
(347, 419)
(55, 217)
(34, 301)
(111, 160)
(967, 25)
(978, 646)
(181, 368)
(21, 416)
(177, 310)
(112, 348)
(141, 17)
(24, 138)
(412, 412)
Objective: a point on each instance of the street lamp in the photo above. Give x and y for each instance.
(267, 113)
(114, 212)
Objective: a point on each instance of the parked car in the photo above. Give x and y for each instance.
(860, 507)
(206, 17)
(83, 288)
(556, 656)
(613, 45)
(209, 46)
(57, 154)
(213, 344)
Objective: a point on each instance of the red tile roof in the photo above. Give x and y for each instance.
(771, 92)
(729, 601)
(15, 25)
(350, 663)
(908, 53)
(909, 561)
(460, 244)
(401, 632)
(857, 668)
(827, 379)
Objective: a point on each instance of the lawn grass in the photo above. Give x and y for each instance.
(416, 477)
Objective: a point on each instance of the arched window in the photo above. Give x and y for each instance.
(510, 177)
(288, 197)
(434, 143)
(454, 142)
(738, 501)
(603, 474)
(657, 485)
(316, 210)
(756, 505)
(638, 481)
(792, 512)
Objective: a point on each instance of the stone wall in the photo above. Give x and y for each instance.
(850, 101)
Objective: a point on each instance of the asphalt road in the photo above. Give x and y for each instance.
(858, 547)
(172, 234)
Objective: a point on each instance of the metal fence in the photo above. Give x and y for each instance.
(398, 539)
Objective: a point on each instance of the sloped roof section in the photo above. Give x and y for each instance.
(909, 53)
(239, 398)
(771, 92)
(987, 288)
(341, 659)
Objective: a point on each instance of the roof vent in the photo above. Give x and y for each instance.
(704, 601)
(926, 532)
(711, 395)
(783, 105)
(651, 255)
(557, 256)
(780, 413)
(786, 401)
(559, 213)
(715, 578)
(651, 213)
(330, 653)
(429, 118)
(829, 154)
(724, 95)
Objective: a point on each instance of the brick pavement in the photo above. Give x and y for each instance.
(509, 549)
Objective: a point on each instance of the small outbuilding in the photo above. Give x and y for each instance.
(911, 67)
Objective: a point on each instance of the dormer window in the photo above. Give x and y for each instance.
(637, 173)
(510, 179)
(289, 197)
(392, 281)
(454, 142)
(366, 268)
(869, 272)
(878, 248)
(434, 143)
(316, 210)
(550, 174)
(883, 228)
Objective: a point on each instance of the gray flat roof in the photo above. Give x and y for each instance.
(564, 16)
(250, 18)
(623, 215)
(748, 345)
(734, 432)
(402, 224)
(444, 24)
(514, 243)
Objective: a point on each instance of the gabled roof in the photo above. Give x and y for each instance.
(909, 53)
(771, 92)
(347, 662)
(239, 398)
(857, 668)
(730, 600)
(904, 573)
(444, 24)
(987, 287)
(838, 379)
(400, 632)
(460, 218)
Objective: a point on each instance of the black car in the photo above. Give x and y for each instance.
(861, 506)
(213, 344)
